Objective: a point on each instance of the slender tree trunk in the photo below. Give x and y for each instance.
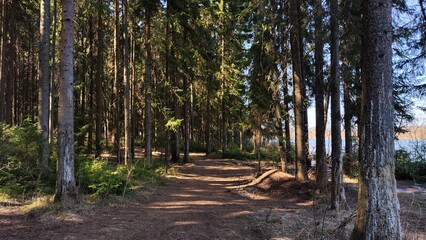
(43, 112)
(65, 182)
(3, 59)
(186, 114)
(116, 91)
(148, 87)
(223, 79)
(298, 83)
(91, 86)
(348, 111)
(174, 148)
(126, 73)
(378, 206)
(53, 74)
(99, 80)
(321, 164)
(278, 118)
(209, 116)
(336, 138)
(288, 147)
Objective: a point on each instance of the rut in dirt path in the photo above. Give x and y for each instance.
(198, 204)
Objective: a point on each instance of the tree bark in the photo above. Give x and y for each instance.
(209, 117)
(336, 138)
(116, 86)
(186, 104)
(223, 79)
(126, 74)
(321, 164)
(65, 181)
(378, 206)
(43, 98)
(53, 74)
(148, 87)
(347, 107)
(298, 83)
(99, 80)
(7, 61)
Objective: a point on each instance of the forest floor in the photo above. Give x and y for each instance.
(208, 199)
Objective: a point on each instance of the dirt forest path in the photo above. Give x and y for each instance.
(200, 203)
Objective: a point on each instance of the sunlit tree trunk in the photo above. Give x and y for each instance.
(43, 97)
(336, 138)
(126, 73)
(298, 84)
(116, 85)
(378, 207)
(65, 181)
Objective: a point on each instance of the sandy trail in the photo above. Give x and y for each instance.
(200, 203)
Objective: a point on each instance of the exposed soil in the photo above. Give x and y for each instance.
(209, 199)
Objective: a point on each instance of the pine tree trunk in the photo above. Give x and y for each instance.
(209, 117)
(148, 88)
(378, 206)
(99, 80)
(126, 74)
(301, 173)
(65, 182)
(348, 112)
(321, 164)
(7, 61)
(116, 86)
(223, 79)
(288, 154)
(43, 110)
(3, 60)
(53, 74)
(278, 120)
(186, 102)
(336, 138)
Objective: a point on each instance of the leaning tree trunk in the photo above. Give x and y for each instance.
(321, 164)
(378, 206)
(43, 97)
(65, 181)
(301, 173)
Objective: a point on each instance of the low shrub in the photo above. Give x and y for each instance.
(99, 178)
(19, 157)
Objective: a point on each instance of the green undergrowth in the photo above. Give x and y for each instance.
(100, 178)
(20, 177)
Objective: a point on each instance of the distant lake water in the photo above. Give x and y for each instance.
(408, 145)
